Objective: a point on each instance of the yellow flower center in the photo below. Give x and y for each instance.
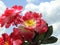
(6, 43)
(29, 23)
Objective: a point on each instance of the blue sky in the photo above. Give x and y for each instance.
(10, 3)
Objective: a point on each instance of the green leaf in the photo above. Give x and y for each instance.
(36, 37)
(49, 40)
(49, 32)
(43, 36)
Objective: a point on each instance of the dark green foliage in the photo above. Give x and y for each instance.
(44, 38)
(49, 40)
(49, 32)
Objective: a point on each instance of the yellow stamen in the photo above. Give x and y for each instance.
(29, 23)
(6, 43)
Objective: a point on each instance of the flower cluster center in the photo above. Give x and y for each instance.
(29, 23)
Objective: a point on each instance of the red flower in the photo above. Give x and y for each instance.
(33, 21)
(11, 16)
(17, 42)
(5, 40)
(16, 34)
(22, 34)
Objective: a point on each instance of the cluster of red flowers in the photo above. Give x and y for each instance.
(30, 23)
(11, 16)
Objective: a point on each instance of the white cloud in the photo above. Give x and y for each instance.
(51, 13)
(30, 1)
(2, 8)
